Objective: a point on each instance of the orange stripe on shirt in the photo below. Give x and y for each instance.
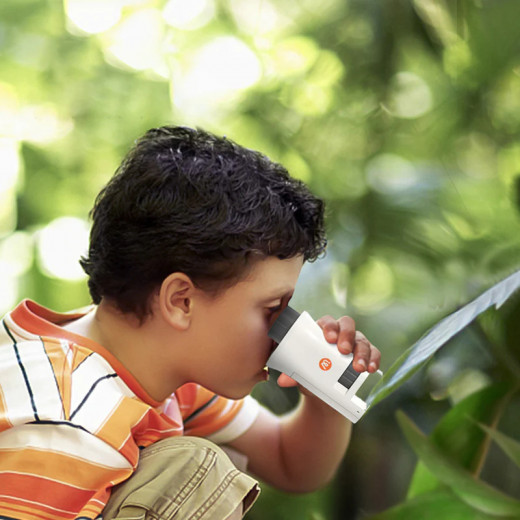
(203, 411)
(5, 423)
(61, 369)
(213, 418)
(40, 490)
(155, 426)
(27, 512)
(80, 354)
(96, 504)
(123, 418)
(192, 397)
(61, 467)
(31, 512)
(152, 427)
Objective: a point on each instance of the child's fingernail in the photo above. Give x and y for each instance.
(345, 347)
(362, 363)
(372, 366)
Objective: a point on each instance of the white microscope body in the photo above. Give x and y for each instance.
(304, 354)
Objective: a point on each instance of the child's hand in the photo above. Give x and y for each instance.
(343, 332)
(349, 340)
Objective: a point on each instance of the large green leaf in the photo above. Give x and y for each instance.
(475, 493)
(441, 504)
(423, 350)
(510, 446)
(459, 438)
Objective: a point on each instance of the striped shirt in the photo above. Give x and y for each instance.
(72, 418)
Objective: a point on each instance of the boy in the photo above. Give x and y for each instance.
(196, 247)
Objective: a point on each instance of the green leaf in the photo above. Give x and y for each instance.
(423, 350)
(437, 505)
(510, 446)
(458, 437)
(475, 493)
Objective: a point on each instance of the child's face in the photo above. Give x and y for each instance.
(231, 345)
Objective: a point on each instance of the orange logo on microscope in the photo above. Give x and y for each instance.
(325, 364)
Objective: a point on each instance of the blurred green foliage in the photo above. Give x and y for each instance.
(403, 114)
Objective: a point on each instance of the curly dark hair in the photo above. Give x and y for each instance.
(185, 200)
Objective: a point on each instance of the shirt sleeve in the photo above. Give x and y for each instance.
(206, 414)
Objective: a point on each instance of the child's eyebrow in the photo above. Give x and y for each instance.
(281, 293)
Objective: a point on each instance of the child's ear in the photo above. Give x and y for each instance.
(176, 300)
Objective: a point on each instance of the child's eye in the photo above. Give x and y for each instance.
(272, 310)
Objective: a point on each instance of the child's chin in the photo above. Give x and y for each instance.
(237, 393)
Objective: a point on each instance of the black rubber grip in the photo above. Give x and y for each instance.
(282, 324)
(348, 377)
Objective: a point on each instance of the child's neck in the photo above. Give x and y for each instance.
(137, 346)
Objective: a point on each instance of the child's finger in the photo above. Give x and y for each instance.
(362, 352)
(347, 334)
(285, 381)
(375, 359)
(330, 328)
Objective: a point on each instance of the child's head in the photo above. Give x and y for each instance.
(184, 200)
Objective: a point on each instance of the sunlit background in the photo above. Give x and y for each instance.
(403, 115)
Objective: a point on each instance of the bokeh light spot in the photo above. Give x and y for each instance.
(60, 245)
